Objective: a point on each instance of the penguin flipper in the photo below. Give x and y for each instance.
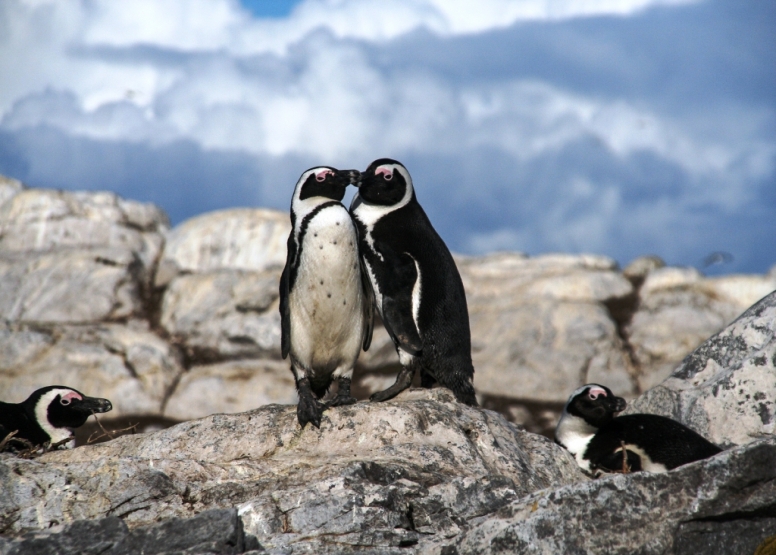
(369, 307)
(285, 315)
(400, 326)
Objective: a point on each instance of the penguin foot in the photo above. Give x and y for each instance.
(341, 400)
(309, 410)
(343, 396)
(403, 381)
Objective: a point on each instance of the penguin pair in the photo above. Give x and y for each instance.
(49, 415)
(383, 253)
(601, 442)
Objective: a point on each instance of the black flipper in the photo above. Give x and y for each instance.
(369, 306)
(285, 290)
(399, 280)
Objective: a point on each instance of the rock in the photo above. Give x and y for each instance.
(679, 309)
(43, 220)
(644, 513)
(8, 188)
(231, 387)
(375, 474)
(638, 269)
(541, 327)
(725, 389)
(70, 286)
(224, 314)
(238, 239)
(217, 532)
(127, 364)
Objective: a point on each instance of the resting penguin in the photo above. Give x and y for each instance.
(589, 430)
(417, 287)
(50, 414)
(325, 307)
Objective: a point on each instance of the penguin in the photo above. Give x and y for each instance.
(325, 305)
(417, 289)
(49, 415)
(589, 430)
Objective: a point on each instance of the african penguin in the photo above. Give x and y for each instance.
(589, 430)
(325, 306)
(50, 414)
(416, 285)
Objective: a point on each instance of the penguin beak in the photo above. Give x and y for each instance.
(92, 404)
(619, 404)
(352, 177)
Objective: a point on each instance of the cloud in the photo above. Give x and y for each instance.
(520, 121)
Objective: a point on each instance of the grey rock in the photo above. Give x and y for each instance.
(223, 314)
(42, 220)
(725, 389)
(70, 286)
(238, 239)
(541, 327)
(641, 513)
(637, 270)
(230, 387)
(8, 188)
(679, 309)
(214, 532)
(369, 469)
(125, 363)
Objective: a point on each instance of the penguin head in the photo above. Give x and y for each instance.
(58, 410)
(322, 183)
(385, 182)
(595, 404)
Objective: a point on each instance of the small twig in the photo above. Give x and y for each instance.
(625, 468)
(7, 439)
(105, 433)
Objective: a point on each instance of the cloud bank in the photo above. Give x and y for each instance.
(601, 126)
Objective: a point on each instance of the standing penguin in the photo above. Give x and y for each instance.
(417, 287)
(325, 306)
(50, 415)
(589, 430)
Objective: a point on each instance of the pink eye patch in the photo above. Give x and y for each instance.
(595, 392)
(72, 396)
(386, 172)
(321, 175)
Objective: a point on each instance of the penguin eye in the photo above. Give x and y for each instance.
(321, 177)
(64, 401)
(387, 173)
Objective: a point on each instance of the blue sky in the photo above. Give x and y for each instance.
(632, 127)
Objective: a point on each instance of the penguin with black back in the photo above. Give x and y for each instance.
(49, 415)
(326, 308)
(600, 441)
(416, 285)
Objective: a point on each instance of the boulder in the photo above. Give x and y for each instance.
(222, 314)
(725, 389)
(541, 326)
(252, 239)
(731, 497)
(8, 188)
(678, 309)
(234, 386)
(43, 220)
(127, 364)
(214, 532)
(70, 286)
(384, 475)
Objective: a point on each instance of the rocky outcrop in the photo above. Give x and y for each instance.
(725, 389)
(724, 505)
(380, 474)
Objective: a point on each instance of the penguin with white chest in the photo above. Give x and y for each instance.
(600, 441)
(325, 306)
(417, 288)
(49, 415)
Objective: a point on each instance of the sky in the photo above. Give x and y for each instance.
(614, 127)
